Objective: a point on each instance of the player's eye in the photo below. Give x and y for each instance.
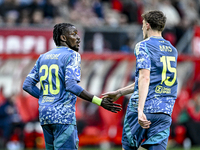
(74, 34)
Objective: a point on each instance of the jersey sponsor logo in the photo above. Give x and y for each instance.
(47, 99)
(160, 89)
(77, 71)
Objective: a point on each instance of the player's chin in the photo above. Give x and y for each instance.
(76, 48)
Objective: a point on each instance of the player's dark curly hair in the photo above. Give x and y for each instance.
(58, 30)
(156, 19)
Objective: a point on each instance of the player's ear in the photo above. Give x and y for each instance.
(63, 38)
(148, 26)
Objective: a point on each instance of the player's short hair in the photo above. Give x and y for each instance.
(156, 19)
(60, 29)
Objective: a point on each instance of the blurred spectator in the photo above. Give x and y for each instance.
(98, 44)
(173, 17)
(50, 9)
(37, 17)
(84, 14)
(181, 14)
(112, 18)
(117, 5)
(140, 10)
(11, 18)
(28, 2)
(63, 10)
(24, 18)
(169, 34)
(58, 19)
(151, 5)
(173, 28)
(130, 10)
(72, 3)
(191, 13)
(35, 5)
(193, 123)
(25, 2)
(97, 7)
(186, 126)
(9, 118)
(179, 6)
(133, 9)
(126, 48)
(123, 20)
(9, 10)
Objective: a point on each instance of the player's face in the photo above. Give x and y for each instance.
(73, 39)
(144, 29)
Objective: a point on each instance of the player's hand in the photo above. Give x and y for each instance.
(114, 95)
(109, 105)
(142, 120)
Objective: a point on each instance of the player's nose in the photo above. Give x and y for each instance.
(78, 39)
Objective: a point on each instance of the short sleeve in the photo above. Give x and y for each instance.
(142, 57)
(73, 67)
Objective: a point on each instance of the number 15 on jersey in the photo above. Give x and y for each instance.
(166, 60)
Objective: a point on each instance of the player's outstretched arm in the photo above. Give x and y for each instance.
(106, 103)
(115, 95)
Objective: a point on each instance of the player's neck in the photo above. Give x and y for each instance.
(154, 33)
(64, 44)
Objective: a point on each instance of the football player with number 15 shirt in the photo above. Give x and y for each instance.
(148, 115)
(58, 72)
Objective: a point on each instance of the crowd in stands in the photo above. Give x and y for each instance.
(92, 13)
(181, 14)
(19, 126)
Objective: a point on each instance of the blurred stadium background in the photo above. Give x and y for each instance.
(109, 29)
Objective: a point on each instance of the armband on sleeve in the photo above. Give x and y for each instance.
(97, 100)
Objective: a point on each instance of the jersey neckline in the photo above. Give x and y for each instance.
(157, 37)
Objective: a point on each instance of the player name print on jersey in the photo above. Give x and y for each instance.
(52, 56)
(165, 48)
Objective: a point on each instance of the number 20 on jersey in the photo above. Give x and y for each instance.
(53, 89)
